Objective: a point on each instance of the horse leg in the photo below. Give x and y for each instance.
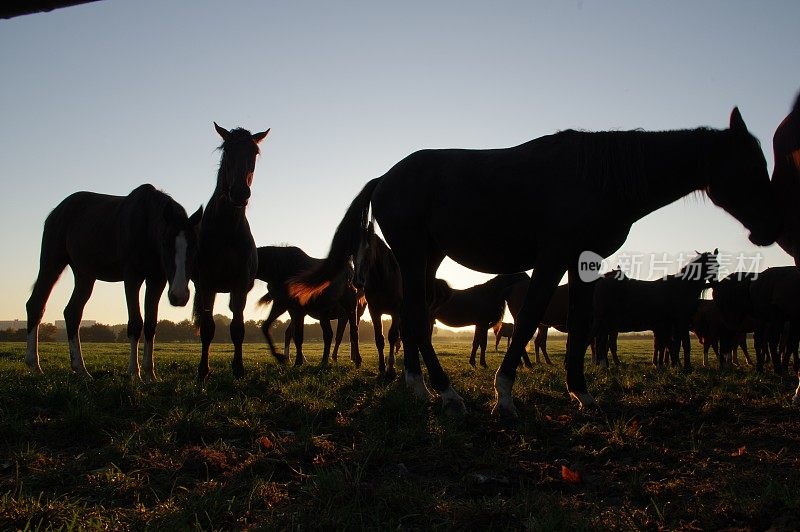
(340, 325)
(612, 345)
(474, 348)
(50, 269)
(483, 338)
(152, 294)
(135, 323)
(394, 338)
(416, 323)
(601, 337)
(327, 337)
(742, 341)
(579, 324)
(288, 336)
(274, 312)
(298, 319)
(204, 307)
(380, 343)
(543, 282)
(72, 315)
(498, 335)
(352, 318)
(236, 305)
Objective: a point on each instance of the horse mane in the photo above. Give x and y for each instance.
(616, 160)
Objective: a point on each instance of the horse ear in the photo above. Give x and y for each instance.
(737, 122)
(258, 137)
(194, 219)
(221, 131)
(716, 251)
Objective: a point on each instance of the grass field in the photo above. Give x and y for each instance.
(334, 448)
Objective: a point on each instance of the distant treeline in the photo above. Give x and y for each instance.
(184, 331)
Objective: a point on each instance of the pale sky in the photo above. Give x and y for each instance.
(110, 95)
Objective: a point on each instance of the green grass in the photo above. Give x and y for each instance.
(336, 448)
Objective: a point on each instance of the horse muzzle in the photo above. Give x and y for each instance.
(178, 298)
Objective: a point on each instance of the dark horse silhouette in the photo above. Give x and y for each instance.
(482, 305)
(377, 271)
(589, 188)
(144, 237)
(665, 306)
(786, 178)
(714, 334)
(341, 321)
(227, 260)
(502, 330)
(278, 264)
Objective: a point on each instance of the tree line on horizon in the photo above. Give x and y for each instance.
(185, 331)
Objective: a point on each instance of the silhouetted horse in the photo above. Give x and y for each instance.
(377, 271)
(482, 305)
(665, 306)
(775, 296)
(732, 298)
(144, 237)
(786, 179)
(502, 330)
(713, 333)
(341, 322)
(589, 189)
(227, 259)
(278, 264)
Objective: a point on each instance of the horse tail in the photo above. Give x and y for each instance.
(497, 326)
(311, 283)
(265, 300)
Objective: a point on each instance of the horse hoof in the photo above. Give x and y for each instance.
(391, 374)
(202, 375)
(417, 386)
(82, 373)
(472, 363)
(238, 372)
(357, 362)
(528, 365)
(506, 412)
(796, 399)
(35, 369)
(452, 403)
(281, 359)
(149, 378)
(585, 400)
(484, 365)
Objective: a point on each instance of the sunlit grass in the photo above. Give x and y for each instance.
(336, 447)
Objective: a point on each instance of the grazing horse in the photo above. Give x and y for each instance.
(711, 330)
(144, 237)
(341, 321)
(664, 306)
(227, 260)
(377, 271)
(482, 305)
(589, 189)
(775, 298)
(278, 264)
(502, 330)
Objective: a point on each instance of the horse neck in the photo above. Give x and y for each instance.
(674, 164)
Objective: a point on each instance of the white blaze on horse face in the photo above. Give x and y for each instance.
(179, 287)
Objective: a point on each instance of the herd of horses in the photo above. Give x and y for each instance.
(590, 188)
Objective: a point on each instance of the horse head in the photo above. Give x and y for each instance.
(239, 151)
(740, 184)
(704, 267)
(178, 246)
